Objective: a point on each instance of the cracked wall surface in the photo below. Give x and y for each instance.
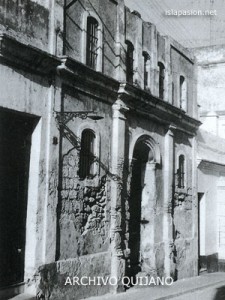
(84, 203)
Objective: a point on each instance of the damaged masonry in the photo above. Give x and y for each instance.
(104, 170)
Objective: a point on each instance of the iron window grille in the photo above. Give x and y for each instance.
(92, 42)
(181, 173)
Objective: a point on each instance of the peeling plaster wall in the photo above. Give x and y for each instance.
(84, 205)
(184, 206)
(38, 23)
(26, 20)
(54, 276)
(161, 48)
(75, 28)
(30, 95)
(84, 219)
(120, 25)
(181, 66)
(133, 34)
(18, 86)
(151, 233)
(72, 218)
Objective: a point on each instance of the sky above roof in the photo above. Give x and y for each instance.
(190, 31)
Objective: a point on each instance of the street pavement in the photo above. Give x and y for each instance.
(211, 293)
(205, 287)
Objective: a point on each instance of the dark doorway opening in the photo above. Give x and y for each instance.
(15, 135)
(140, 158)
(202, 263)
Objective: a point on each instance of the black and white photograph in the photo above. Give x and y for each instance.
(112, 149)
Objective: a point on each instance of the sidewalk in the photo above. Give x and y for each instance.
(178, 288)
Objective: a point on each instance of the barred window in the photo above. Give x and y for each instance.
(92, 42)
(161, 79)
(180, 172)
(87, 154)
(130, 62)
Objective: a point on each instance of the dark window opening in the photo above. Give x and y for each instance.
(180, 172)
(181, 86)
(183, 93)
(173, 93)
(92, 42)
(161, 79)
(130, 62)
(146, 69)
(87, 154)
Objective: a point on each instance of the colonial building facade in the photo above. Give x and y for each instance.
(98, 163)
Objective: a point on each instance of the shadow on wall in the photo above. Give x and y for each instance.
(220, 293)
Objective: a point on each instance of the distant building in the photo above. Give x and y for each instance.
(98, 165)
(211, 159)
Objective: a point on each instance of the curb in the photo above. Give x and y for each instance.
(189, 291)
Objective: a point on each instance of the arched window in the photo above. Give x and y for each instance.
(87, 157)
(146, 70)
(92, 42)
(130, 62)
(183, 93)
(181, 172)
(161, 79)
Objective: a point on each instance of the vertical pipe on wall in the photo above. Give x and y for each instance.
(195, 204)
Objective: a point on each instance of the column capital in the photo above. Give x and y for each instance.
(119, 109)
(171, 130)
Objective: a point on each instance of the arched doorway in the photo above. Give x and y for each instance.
(141, 206)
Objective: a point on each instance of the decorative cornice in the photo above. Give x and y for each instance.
(87, 79)
(26, 57)
(144, 103)
(209, 164)
(80, 77)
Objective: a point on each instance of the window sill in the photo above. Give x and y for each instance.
(181, 190)
(92, 182)
(114, 1)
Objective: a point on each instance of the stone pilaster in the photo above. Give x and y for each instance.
(147, 219)
(154, 62)
(117, 166)
(168, 82)
(168, 197)
(120, 45)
